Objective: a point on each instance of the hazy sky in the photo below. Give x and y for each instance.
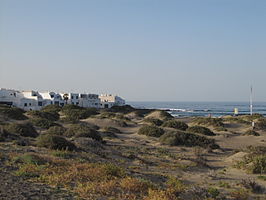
(160, 50)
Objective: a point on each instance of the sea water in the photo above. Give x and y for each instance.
(217, 109)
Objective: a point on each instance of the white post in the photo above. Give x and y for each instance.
(251, 101)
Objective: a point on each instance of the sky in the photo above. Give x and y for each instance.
(142, 50)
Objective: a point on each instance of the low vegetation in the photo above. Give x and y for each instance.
(207, 121)
(55, 142)
(75, 113)
(51, 116)
(52, 108)
(12, 112)
(255, 161)
(165, 115)
(152, 131)
(56, 130)
(42, 123)
(153, 121)
(187, 139)
(201, 130)
(260, 124)
(175, 124)
(251, 132)
(176, 163)
(21, 129)
(111, 129)
(82, 130)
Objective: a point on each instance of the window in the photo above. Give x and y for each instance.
(29, 104)
(39, 103)
(72, 97)
(77, 103)
(25, 104)
(77, 97)
(52, 96)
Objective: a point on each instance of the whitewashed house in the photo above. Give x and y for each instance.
(33, 100)
(109, 100)
(52, 98)
(89, 100)
(71, 98)
(10, 97)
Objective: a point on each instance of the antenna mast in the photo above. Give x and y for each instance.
(251, 100)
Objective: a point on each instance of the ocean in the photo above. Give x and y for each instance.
(216, 109)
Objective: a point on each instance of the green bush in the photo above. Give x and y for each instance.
(30, 158)
(55, 142)
(42, 123)
(154, 121)
(3, 134)
(175, 124)
(108, 115)
(235, 120)
(111, 129)
(251, 132)
(83, 130)
(74, 113)
(214, 192)
(56, 130)
(201, 130)
(12, 112)
(121, 123)
(52, 108)
(122, 109)
(113, 170)
(151, 131)
(22, 129)
(251, 117)
(255, 161)
(260, 124)
(51, 116)
(187, 139)
(165, 115)
(216, 122)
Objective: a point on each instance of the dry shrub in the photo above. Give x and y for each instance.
(175, 124)
(22, 129)
(201, 130)
(153, 121)
(55, 142)
(56, 130)
(83, 130)
(187, 139)
(239, 194)
(215, 122)
(151, 131)
(251, 132)
(156, 194)
(12, 112)
(134, 185)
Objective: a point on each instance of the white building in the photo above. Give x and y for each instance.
(52, 98)
(10, 97)
(71, 98)
(109, 100)
(89, 100)
(33, 100)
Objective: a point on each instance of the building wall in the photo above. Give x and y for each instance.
(33, 100)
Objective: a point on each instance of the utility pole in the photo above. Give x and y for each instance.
(251, 100)
(251, 107)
